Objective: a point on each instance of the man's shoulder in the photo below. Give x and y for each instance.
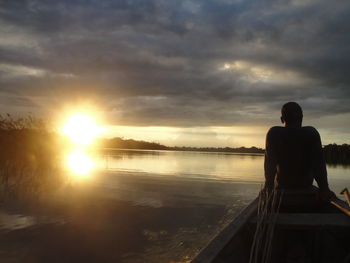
(274, 132)
(276, 129)
(311, 130)
(279, 130)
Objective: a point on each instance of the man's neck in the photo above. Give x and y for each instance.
(292, 125)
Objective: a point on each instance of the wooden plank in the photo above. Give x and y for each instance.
(217, 244)
(341, 205)
(311, 220)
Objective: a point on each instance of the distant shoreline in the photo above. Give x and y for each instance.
(143, 145)
(179, 150)
(333, 153)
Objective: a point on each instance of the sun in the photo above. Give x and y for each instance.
(80, 163)
(81, 129)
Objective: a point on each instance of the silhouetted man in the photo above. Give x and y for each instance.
(294, 156)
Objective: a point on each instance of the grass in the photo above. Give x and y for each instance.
(29, 159)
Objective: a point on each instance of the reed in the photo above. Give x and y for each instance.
(29, 158)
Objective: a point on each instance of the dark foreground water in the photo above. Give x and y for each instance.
(140, 206)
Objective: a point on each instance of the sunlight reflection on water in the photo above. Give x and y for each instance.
(203, 167)
(10, 222)
(246, 167)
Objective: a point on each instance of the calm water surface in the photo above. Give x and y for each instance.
(164, 207)
(223, 183)
(160, 178)
(242, 167)
(210, 167)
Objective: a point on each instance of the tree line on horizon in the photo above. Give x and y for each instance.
(337, 154)
(121, 143)
(333, 153)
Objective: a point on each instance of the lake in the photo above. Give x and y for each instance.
(198, 180)
(174, 176)
(147, 206)
(225, 169)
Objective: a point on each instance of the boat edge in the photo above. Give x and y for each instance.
(218, 242)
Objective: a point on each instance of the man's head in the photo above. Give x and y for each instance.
(292, 114)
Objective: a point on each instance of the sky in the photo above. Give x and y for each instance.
(193, 73)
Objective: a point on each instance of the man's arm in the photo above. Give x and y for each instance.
(270, 162)
(319, 164)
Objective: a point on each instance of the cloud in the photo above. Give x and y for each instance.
(178, 63)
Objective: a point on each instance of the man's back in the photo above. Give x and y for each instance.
(294, 156)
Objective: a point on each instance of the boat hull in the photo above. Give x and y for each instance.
(304, 230)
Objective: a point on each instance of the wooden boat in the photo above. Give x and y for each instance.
(304, 230)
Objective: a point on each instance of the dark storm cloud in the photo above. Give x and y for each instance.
(163, 62)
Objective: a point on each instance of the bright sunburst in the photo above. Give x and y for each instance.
(81, 129)
(80, 163)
